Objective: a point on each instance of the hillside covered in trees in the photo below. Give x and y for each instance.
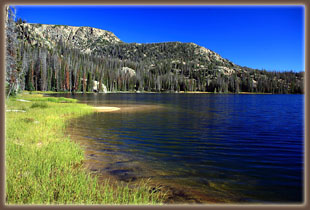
(66, 58)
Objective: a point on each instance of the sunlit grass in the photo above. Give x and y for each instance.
(43, 166)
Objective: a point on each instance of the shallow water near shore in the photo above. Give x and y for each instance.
(203, 147)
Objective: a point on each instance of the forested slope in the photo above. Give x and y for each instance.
(67, 58)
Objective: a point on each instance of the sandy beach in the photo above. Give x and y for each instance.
(106, 109)
(127, 108)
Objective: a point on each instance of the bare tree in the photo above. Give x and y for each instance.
(12, 76)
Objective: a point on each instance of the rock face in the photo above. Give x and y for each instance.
(96, 87)
(85, 39)
(128, 71)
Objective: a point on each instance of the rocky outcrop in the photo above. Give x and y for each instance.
(85, 39)
(129, 71)
(178, 54)
(96, 87)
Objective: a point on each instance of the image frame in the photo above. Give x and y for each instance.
(304, 205)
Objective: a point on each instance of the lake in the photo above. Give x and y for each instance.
(245, 148)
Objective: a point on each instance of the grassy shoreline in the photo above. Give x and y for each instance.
(43, 166)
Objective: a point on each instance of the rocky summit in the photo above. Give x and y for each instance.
(85, 39)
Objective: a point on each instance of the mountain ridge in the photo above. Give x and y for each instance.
(162, 66)
(80, 33)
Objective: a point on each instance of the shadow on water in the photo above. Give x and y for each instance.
(203, 149)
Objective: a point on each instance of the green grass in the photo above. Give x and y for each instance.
(43, 166)
(39, 105)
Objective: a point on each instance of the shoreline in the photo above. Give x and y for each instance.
(50, 166)
(164, 92)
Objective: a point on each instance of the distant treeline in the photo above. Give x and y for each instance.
(158, 67)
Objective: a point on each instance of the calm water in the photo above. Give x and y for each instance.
(210, 147)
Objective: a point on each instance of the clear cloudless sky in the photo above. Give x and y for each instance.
(263, 37)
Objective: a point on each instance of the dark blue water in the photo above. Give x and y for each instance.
(235, 148)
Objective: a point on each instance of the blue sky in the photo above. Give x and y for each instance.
(263, 37)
